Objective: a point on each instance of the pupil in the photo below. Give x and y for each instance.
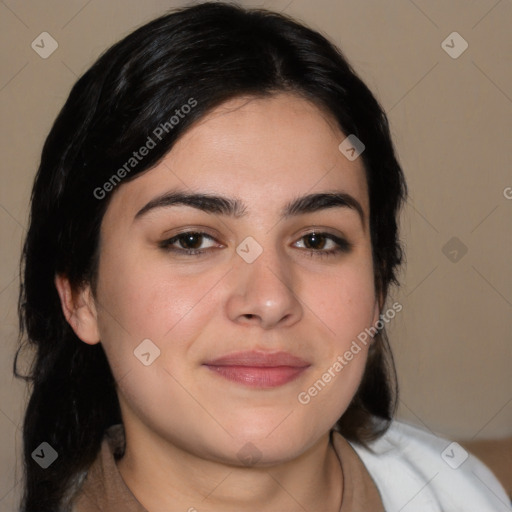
(314, 237)
(190, 239)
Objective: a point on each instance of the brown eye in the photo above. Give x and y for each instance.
(190, 240)
(315, 241)
(315, 244)
(187, 243)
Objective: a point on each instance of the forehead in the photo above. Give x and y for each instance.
(264, 150)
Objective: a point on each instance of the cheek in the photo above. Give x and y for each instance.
(345, 306)
(140, 301)
(147, 298)
(345, 301)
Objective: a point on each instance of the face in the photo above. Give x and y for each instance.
(255, 283)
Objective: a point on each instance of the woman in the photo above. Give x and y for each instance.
(213, 235)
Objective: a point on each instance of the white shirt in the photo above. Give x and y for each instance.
(416, 471)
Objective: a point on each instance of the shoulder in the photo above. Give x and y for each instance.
(416, 470)
(101, 482)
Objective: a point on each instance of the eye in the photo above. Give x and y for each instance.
(190, 242)
(315, 244)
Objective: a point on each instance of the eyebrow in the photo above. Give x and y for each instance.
(222, 205)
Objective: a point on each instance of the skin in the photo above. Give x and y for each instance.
(185, 424)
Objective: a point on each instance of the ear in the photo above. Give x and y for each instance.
(79, 310)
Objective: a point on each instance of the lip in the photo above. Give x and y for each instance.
(258, 369)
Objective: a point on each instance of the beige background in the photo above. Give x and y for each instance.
(451, 120)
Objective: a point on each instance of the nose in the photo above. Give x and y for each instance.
(263, 292)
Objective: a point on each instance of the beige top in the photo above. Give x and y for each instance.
(103, 489)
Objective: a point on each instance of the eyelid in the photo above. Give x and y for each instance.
(194, 228)
(329, 236)
(166, 244)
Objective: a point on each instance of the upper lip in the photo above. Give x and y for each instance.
(255, 358)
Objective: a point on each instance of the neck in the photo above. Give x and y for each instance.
(164, 477)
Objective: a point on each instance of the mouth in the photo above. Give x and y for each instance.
(259, 369)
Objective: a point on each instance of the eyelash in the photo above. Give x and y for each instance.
(343, 246)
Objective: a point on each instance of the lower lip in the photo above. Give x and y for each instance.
(259, 376)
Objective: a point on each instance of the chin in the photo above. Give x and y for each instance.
(271, 445)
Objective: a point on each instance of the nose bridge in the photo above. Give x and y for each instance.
(264, 284)
(264, 266)
(270, 268)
